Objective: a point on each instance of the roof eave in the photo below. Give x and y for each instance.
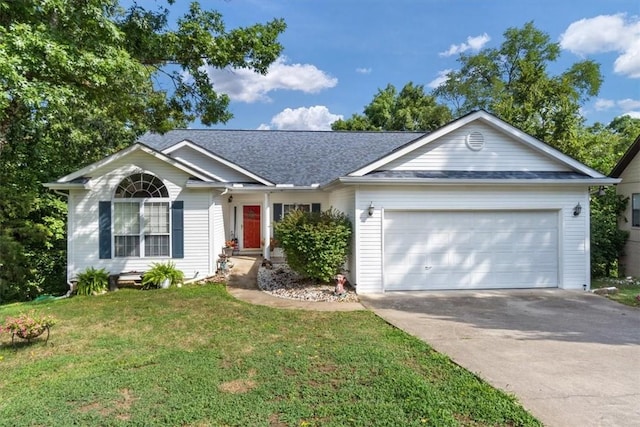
(250, 188)
(65, 186)
(484, 181)
(627, 157)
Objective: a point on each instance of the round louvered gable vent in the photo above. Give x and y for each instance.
(475, 141)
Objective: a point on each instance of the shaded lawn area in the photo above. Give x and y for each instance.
(197, 357)
(628, 290)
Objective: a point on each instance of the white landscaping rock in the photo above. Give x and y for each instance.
(283, 282)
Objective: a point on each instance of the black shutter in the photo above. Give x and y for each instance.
(277, 212)
(315, 207)
(177, 229)
(104, 230)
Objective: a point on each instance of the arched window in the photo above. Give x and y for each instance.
(141, 185)
(141, 222)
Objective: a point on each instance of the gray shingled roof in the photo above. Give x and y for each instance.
(290, 157)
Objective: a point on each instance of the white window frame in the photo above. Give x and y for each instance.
(635, 210)
(142, 227)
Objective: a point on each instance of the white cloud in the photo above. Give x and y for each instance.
(473, 43)
(604, 104)
(629, 104)
(442, 77)
(629, 62)
(363, 70)
(317, 117)
(607, 33)
(247, 86)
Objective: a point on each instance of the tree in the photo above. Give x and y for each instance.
(604, 145)
(607, 239)
(410, 110)
(513, 82)
(603, 148)
(82, 79)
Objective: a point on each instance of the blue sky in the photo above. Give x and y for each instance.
(339, 53)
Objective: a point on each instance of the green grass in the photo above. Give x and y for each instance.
(628, 290)
(197, 357)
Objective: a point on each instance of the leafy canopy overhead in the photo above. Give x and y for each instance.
(81, 79)
(409, 110)
(514, 83)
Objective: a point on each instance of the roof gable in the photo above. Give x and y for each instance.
(90, 169)
(475, 147)
(626, 159)
(441, 150)
(203, 160)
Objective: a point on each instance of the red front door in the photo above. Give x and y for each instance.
(251, 228)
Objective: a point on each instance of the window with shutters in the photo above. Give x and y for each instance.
(280, 210)
(286, 208)
(141, 220)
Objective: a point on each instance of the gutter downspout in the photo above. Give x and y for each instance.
(66, 196)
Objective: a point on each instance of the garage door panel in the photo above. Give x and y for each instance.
(465, 250)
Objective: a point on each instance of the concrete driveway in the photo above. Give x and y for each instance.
(571, 358)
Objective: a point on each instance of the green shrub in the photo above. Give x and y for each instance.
(92, 281)
(607, 240)
(161, 272)
(316, 244)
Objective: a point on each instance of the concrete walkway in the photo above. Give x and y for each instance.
(243, 284)
(571, 358)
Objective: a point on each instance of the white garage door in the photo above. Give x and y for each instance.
(470, 250)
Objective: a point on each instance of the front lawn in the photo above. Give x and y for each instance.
(197, 357)
(628, 290)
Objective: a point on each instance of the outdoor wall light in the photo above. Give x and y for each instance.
(230, 199)
(577, 209)
(371, 209)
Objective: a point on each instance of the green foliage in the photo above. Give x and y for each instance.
(410, 110)
(513, 82)
(607, 240)
(81, 80)
(160, 272)
(28, 325)
(92, 281)
(628, 290)
(316, 244)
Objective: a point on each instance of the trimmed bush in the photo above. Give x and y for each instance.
(316, 244)
(92, 281)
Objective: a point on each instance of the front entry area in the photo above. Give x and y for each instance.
(251, 227)
(470, 249)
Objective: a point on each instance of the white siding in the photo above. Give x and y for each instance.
(630, 184)
(83, 218)
(344, 200)
(500, 153)
(211, 166)
(573, 248)
(218, 237)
